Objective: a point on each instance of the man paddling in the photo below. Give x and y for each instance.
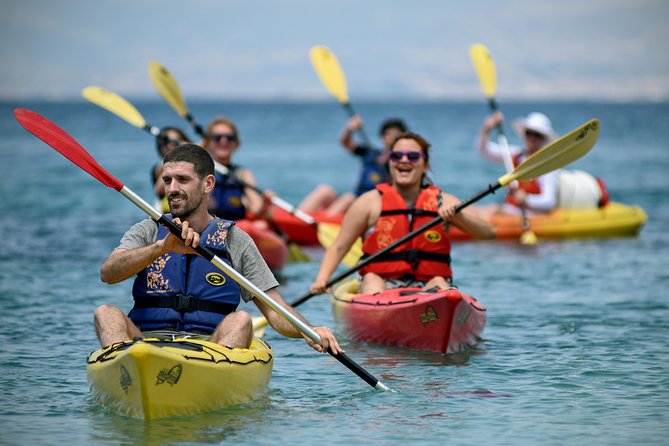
(178, 292)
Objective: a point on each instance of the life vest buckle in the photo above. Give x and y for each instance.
(185, 303)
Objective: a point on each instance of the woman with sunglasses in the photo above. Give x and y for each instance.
(166, 141)
(392, 210)
(536, 196)
(230, 199)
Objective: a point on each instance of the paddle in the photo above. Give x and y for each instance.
(485, 69)
(332, 76)
(327, 233)
(117, 105)
(62, 142)
(169, 89)
(557, 154)
(120, 107)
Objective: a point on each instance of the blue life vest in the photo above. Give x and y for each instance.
(225, 200)
(185, 291)
(372, 173)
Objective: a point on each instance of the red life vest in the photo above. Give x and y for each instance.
(422, 257)
(531, 187)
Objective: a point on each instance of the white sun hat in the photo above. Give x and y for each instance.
(537, 122)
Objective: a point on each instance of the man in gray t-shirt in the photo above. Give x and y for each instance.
(188, 174)
(244, 254)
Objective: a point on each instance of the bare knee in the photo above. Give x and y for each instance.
(105, 311)
(373, 283)
(241, 319)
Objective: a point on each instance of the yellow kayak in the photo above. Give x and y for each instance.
(612, 220)
(152, 378)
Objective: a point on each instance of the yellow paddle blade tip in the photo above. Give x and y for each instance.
(529, 238)
(329, 71)
(485, 68)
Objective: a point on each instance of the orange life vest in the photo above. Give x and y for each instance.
(531, 187)
(422, 257)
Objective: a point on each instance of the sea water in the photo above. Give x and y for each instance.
(575, 351)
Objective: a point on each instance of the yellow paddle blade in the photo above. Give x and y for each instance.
(557, 154)
(115, 104)
(329, 71)
(259, 326)
(167, 87)
(327, 233)
(485, 68)
(296, 254)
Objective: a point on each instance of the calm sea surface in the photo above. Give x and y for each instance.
(576, 349)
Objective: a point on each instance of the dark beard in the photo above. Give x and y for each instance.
(189, 205)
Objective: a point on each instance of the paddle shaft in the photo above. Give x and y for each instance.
(283, 204)
(489, 190)
(351, 113)
(506, 157)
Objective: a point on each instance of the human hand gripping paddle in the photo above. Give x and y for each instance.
(487, 74)
(62, 142)
(555, 155)
(329, 71)
(120, 107)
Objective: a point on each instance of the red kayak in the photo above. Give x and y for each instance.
(273, 248)
(444, 321)
(298, 231)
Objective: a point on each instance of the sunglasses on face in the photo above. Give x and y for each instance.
(165, 141)
(217, 137)
(413, 157)
(533, 134)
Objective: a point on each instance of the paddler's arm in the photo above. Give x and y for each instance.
(355, 223)
(465, 220)
(284, 327)
(346, 138)
(125, 263)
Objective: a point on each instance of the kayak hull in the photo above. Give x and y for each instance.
(613, 220)
(272, 247)
(151, 379)
(444, 321)
(296, 230)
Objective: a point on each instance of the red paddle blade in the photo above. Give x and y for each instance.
(57, 138)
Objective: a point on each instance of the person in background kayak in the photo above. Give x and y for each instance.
(166, 141)
(230, 199)
(539, 195)
(175, 289)
(374, 167)
(389, 212)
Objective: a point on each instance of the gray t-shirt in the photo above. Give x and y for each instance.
(244, 254)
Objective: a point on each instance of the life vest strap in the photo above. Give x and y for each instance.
(411, 211)
(181, 303)
(412, 256)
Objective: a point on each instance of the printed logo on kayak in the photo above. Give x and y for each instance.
(215, 279)
(126, 380)
(430, 315)
(170, 376)
(432, 236)
(463, 316)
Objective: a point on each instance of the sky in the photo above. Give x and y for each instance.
(258, 50)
